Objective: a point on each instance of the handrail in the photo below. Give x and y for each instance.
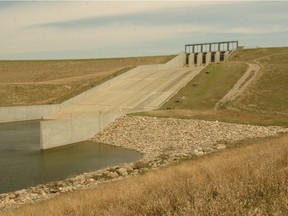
(226, 46)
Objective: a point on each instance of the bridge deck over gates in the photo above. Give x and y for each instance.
(204, 53)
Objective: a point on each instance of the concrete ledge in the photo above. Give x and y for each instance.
(24, 113)
(59, 132)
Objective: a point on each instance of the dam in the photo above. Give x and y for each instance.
(143, 88)
(204, 53)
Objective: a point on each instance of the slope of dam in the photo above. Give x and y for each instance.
(141, 89)
(137, 92)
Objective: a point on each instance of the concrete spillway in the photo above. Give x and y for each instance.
(141, 89)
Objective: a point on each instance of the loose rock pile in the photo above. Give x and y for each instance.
(162, 141)
(155, 136)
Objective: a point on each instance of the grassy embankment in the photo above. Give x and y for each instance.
(263, 103)
(246, 180)
(48, 82)
(250, 179)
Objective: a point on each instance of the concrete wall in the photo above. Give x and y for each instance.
(177, 62)
(191, 59)
(199, 59)
(217, 56)
(208, 58)
(24, 113)
(59, 132)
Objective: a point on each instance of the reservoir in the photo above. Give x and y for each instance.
(23, 164)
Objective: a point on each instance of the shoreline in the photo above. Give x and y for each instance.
(162, 141)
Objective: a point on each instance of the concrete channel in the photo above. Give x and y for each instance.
(140, 89)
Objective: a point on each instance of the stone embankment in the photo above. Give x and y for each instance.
(162, 141)
(157, 136)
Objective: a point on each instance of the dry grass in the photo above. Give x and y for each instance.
(268, 94)
(42, 82)
(233, 182)
(249, 55)
(245, 180)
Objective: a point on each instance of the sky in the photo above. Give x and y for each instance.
(104, 29)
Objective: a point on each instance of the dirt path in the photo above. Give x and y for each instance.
(241, 85)
(250, 75)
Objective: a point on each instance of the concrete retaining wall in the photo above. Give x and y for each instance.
(177, 62)
(24, 113)
(217, 56)
(199, 59)
(208, 58)
(191, 60)
(59, 132)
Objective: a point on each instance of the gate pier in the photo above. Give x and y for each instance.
(204, 53)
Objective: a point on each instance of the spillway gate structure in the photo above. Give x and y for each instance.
(204, 53)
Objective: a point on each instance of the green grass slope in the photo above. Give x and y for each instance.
(264, 102)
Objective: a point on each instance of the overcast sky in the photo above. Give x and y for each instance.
(100, 29)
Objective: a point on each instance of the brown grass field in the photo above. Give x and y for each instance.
(46, 82)
(245, 180)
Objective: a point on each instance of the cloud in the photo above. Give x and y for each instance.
(47, 27)
(267, 30)
(36, 13)
(73, 25)
(56, 39)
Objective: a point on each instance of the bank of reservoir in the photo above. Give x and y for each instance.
(23, 164)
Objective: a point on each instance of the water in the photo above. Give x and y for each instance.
(23, 164)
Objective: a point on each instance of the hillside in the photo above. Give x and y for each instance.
(247, 180)
(264, 101)
(210, 167)
(46, 82)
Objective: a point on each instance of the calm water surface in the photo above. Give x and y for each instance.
(23, 164)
